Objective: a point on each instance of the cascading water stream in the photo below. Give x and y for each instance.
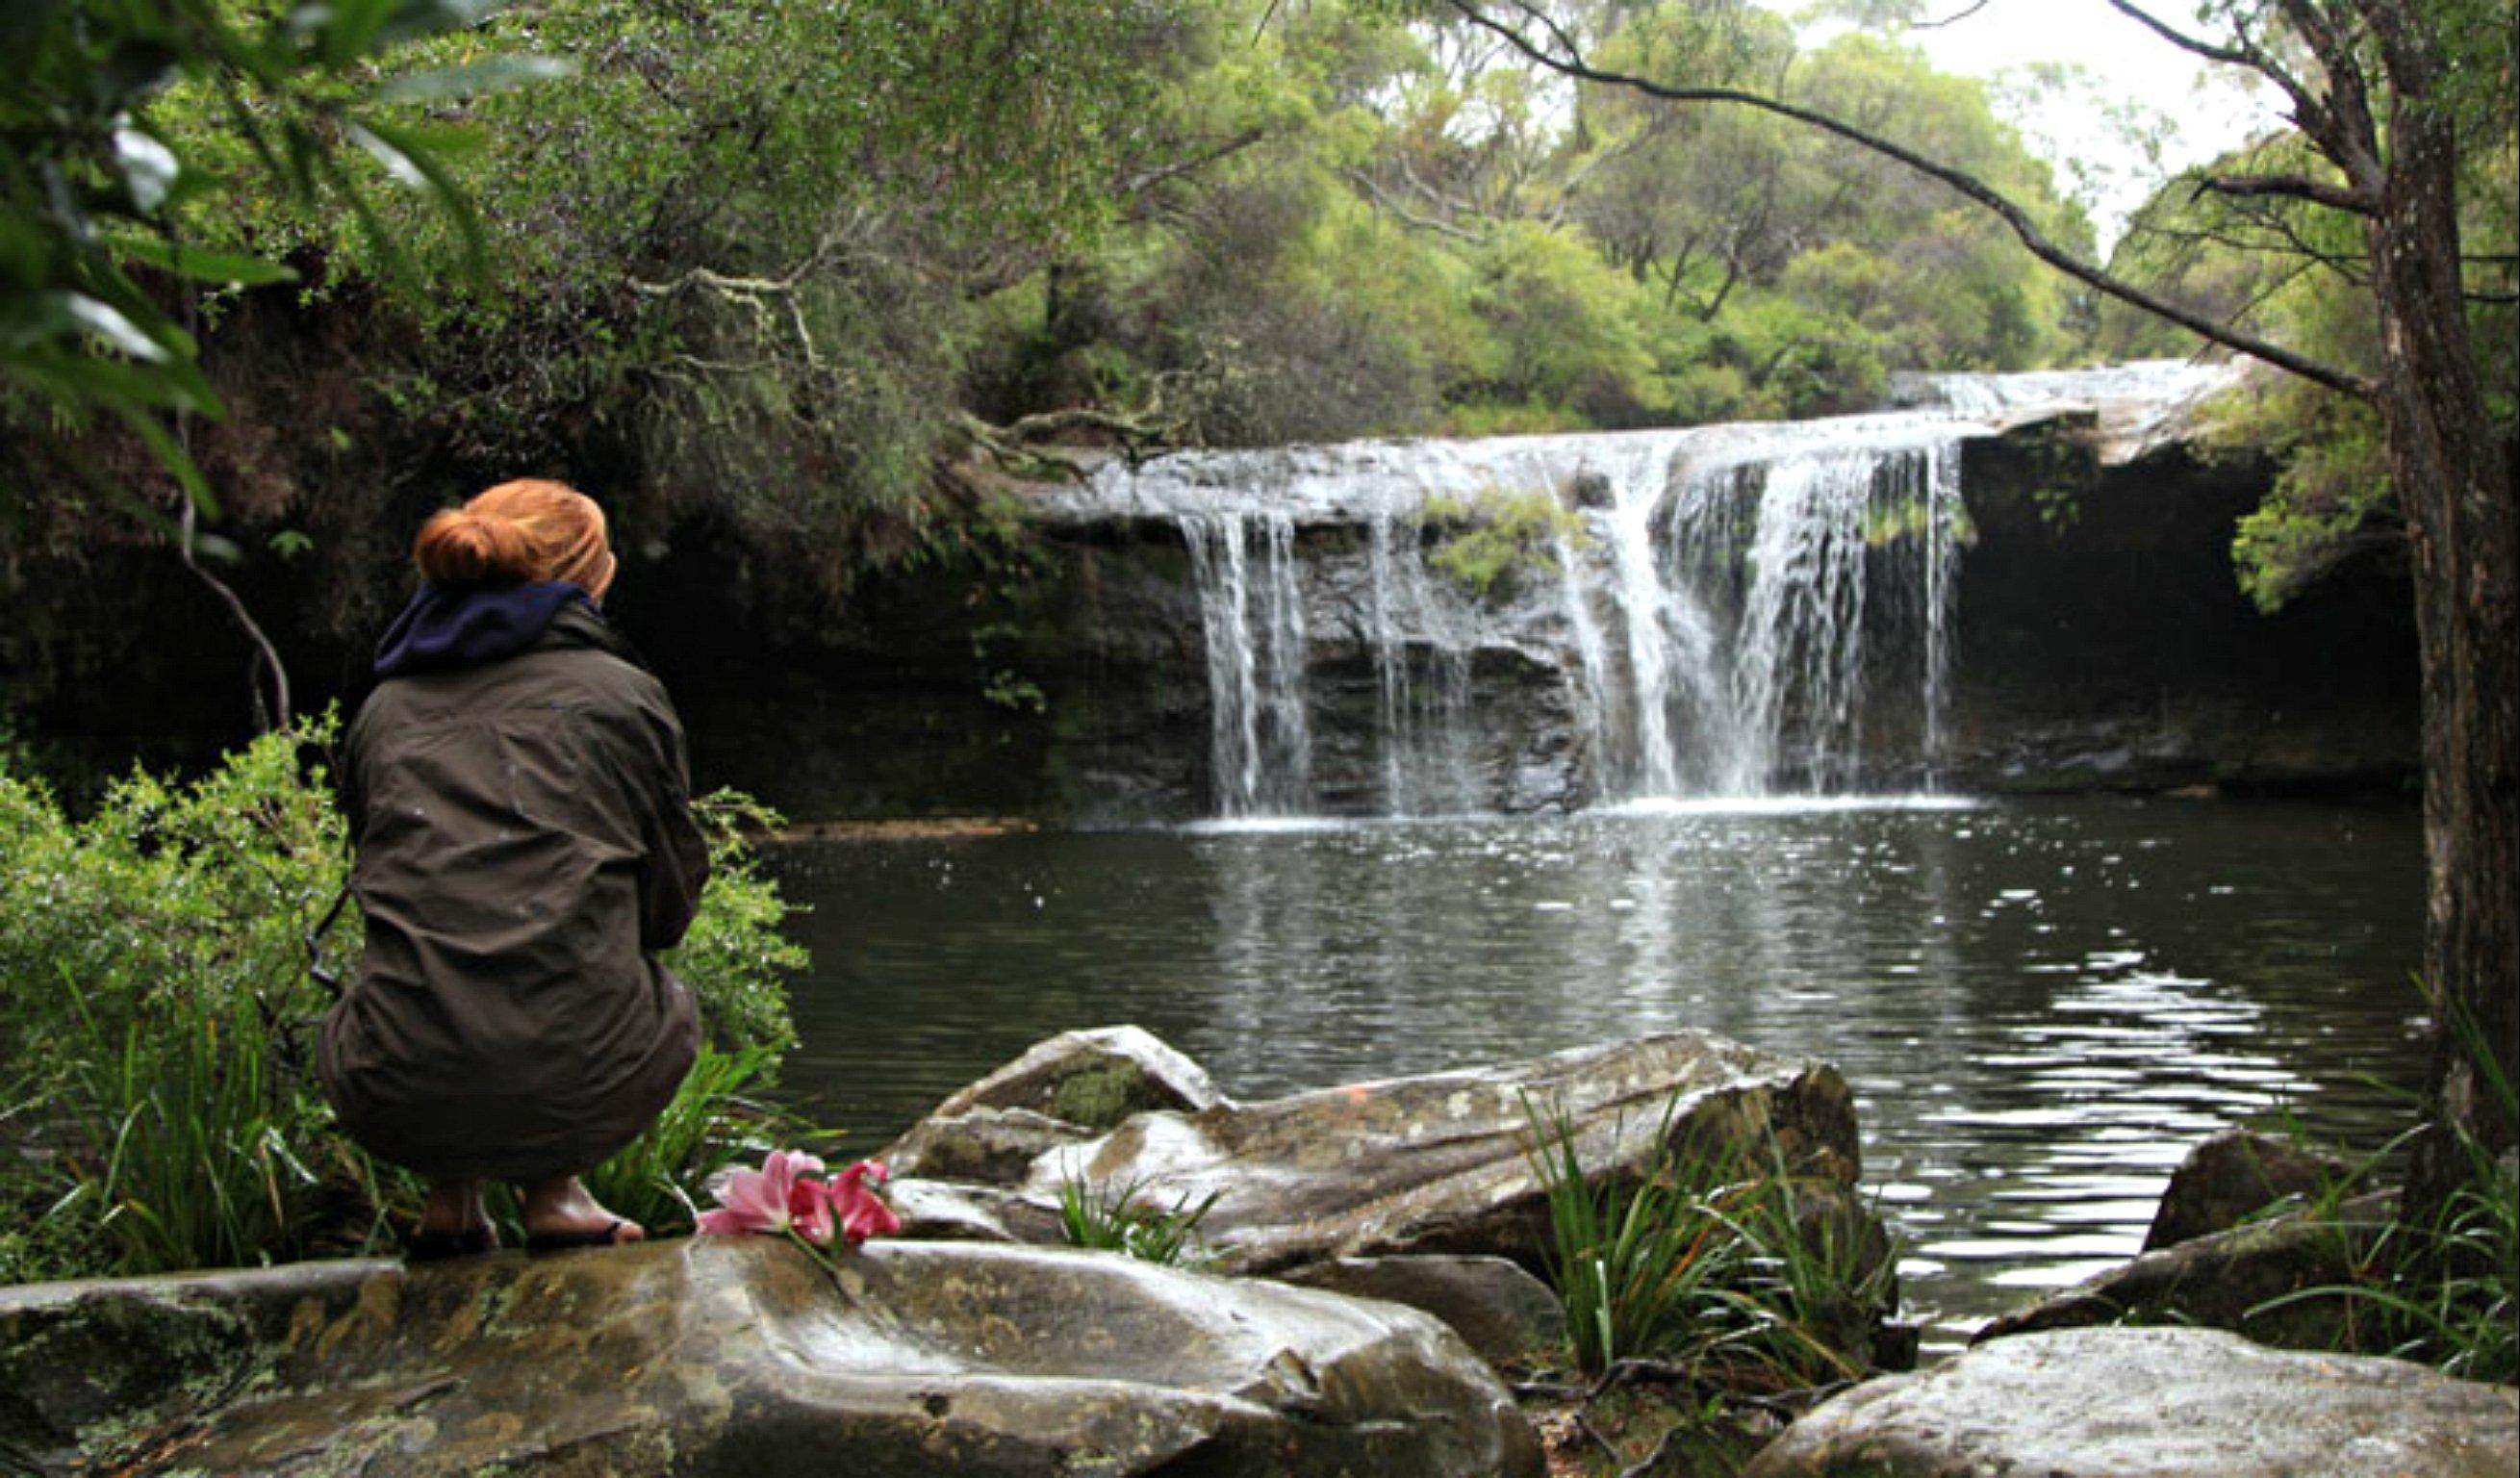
(1261, 737)
(1744, 608)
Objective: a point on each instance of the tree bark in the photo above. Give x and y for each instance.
(2453, 481)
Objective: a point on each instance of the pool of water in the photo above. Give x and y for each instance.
(2041, 1006)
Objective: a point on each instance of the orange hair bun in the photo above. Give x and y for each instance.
(529, 529)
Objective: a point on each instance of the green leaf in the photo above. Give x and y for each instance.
(408, 154)
(148, 169)
(201, 265)
(343, 30)
(473, 78)
(110, 324)
(71, 376)
(414, 19)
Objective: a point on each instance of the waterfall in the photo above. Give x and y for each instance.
(1260, 735)
(1720, 610)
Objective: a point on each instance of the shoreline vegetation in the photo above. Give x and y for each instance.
(166, 1117)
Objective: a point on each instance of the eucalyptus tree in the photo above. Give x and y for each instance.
(2387, 99)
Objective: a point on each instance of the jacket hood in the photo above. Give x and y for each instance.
(449, 627)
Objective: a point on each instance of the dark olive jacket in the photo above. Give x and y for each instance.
(525, 843)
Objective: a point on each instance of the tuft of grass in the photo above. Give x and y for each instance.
(1123, 1218)
(713, 1122)
(2442, 1290)
(1714, 1262)
(186, 1145)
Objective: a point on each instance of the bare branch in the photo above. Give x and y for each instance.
(1572, 63)
(1954, 18)
(2335, 133)
(1149, 179)
(1383, 199)
(266, 656)
(2293, 185)
(2249, 57)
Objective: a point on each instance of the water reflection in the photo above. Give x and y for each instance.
(2040, 1007)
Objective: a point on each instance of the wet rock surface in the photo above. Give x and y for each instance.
(1091, 1079)
(2155, 1403)
(987, 1145)
(1419, 1189)
(2235, 1174)
(1437, 1164)
(1499, 1309)
(741, 1357)
(2239, 1280)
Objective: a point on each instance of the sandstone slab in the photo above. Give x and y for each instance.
(1439, 1163)
(723, 1357)
(2134, 1403)
(984, 1145)
(1092, 1078)
(1499, 1309)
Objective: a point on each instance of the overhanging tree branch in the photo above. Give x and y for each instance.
(1149, 179)
(2291, 186)
(1567, 60)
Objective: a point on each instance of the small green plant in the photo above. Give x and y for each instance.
(1499, 534)
(1707, 1260)
(1121, 1218)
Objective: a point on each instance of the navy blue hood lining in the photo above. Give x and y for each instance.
(450, 627)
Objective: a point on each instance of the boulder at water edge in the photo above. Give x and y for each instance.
(2258, 1278)
(1095, 1078)
(1506, 1314)
(741, 1356)
(2129, 1402)
(1062, 1091)
(2236, 1174)
(1408, 1167)
(1441, 1163)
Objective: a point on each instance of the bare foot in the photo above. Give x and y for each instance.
(453, 1208)
(560, 1210)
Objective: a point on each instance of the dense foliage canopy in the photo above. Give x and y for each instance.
(761, 261)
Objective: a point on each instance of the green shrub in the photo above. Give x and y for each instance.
(1499, 535)
(154, 959)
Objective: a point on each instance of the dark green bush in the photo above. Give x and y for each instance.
(154, 959)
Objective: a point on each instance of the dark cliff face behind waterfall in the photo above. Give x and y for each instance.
(1886, 602)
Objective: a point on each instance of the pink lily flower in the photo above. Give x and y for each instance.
(809, 1211)
(862, 1212)
(764, 1199)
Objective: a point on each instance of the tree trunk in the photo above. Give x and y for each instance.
(2453, 479)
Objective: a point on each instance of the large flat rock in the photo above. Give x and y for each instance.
(1439, 1163)
(729, 1357)
(2147, 1403)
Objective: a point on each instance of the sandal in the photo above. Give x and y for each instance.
(427, 1246)
(562, 1241)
